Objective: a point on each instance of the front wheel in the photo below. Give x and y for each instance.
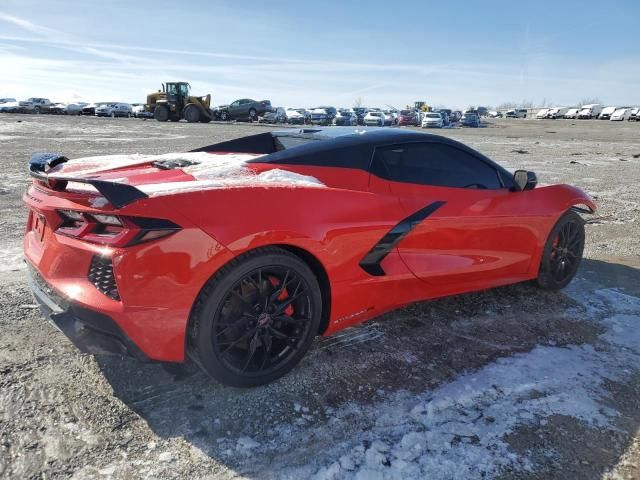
(192, 114)
(253, 116)
(161, 113)
(256, 318)
(562, 252)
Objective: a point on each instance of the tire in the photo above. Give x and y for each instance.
(204, 119)
(161, 113)
(252, 115)
(191, 114)
(224, 115)
(36, 110)
(228, 350)
(562, 252)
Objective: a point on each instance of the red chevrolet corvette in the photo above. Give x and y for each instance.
(238, 254)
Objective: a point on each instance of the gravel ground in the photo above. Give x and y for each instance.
(341, 413)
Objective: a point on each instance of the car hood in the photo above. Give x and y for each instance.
(171, 173)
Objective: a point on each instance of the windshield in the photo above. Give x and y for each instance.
(375, 114)
(433, 115)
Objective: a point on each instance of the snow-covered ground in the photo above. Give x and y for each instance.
(458, 430)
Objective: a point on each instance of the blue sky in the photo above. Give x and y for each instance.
(331, 52)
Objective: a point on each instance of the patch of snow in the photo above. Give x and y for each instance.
(98, 202)
(459, 429)
(208, 170)
(11, 259)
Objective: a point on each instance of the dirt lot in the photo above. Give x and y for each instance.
(509, 383)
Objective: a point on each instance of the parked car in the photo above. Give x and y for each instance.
(542, 113)
(621, 114)
(390, 117)
(139, 111)
(445, 117)
(572, 113)
(408, 118)
(276, 115)
(633, 115)
(114, 110)
(319, 116)
(456, 115)
(90, 109)
(557, 112)
(470, 120)
(330, 111)
(244, 109)
(345, 118)
(588, 112)
(40, 105)
(432, 120)
(244, 289)
(495, 114)
(295, 116)
(6, 100)
(517, 113)
(374, 118)
(606, 113)
(66, 108)
(22, 106)
(360, 113)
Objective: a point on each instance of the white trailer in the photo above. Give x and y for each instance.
(589, 111)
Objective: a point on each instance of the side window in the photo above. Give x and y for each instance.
(434, 164)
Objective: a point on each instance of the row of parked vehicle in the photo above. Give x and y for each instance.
(589, 112)
(585, 112)
(372, 117)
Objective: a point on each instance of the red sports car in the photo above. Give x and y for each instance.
(238, 254)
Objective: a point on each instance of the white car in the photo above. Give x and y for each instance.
(22, 106)
(572, 113)
(374, 119)
(633, 115)
(114, 110)
(621, 114)
(432, 119)
(542, 113)
(6, 100)
(606, 113)
(295, 116)
(557, 112)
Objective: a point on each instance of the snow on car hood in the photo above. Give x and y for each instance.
(207, 171)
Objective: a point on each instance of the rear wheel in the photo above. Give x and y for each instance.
(161, 113)
(256, 318)
(562, 252)
(192, 114)
(253, 116)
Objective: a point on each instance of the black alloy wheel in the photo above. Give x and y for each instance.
(563, 252)
(256, 318)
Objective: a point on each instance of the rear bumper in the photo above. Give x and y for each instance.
(90, 331)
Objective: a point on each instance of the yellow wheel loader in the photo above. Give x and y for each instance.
(175, 102)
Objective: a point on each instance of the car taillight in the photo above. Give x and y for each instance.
(113, 230)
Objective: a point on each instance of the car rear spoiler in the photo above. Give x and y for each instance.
(118, 194)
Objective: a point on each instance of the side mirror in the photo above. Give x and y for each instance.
(525, 180)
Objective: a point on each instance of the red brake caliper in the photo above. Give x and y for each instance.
(283, 295)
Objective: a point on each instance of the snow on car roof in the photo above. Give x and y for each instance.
(210, 171)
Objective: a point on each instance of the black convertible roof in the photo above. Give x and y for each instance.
(347, 147)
